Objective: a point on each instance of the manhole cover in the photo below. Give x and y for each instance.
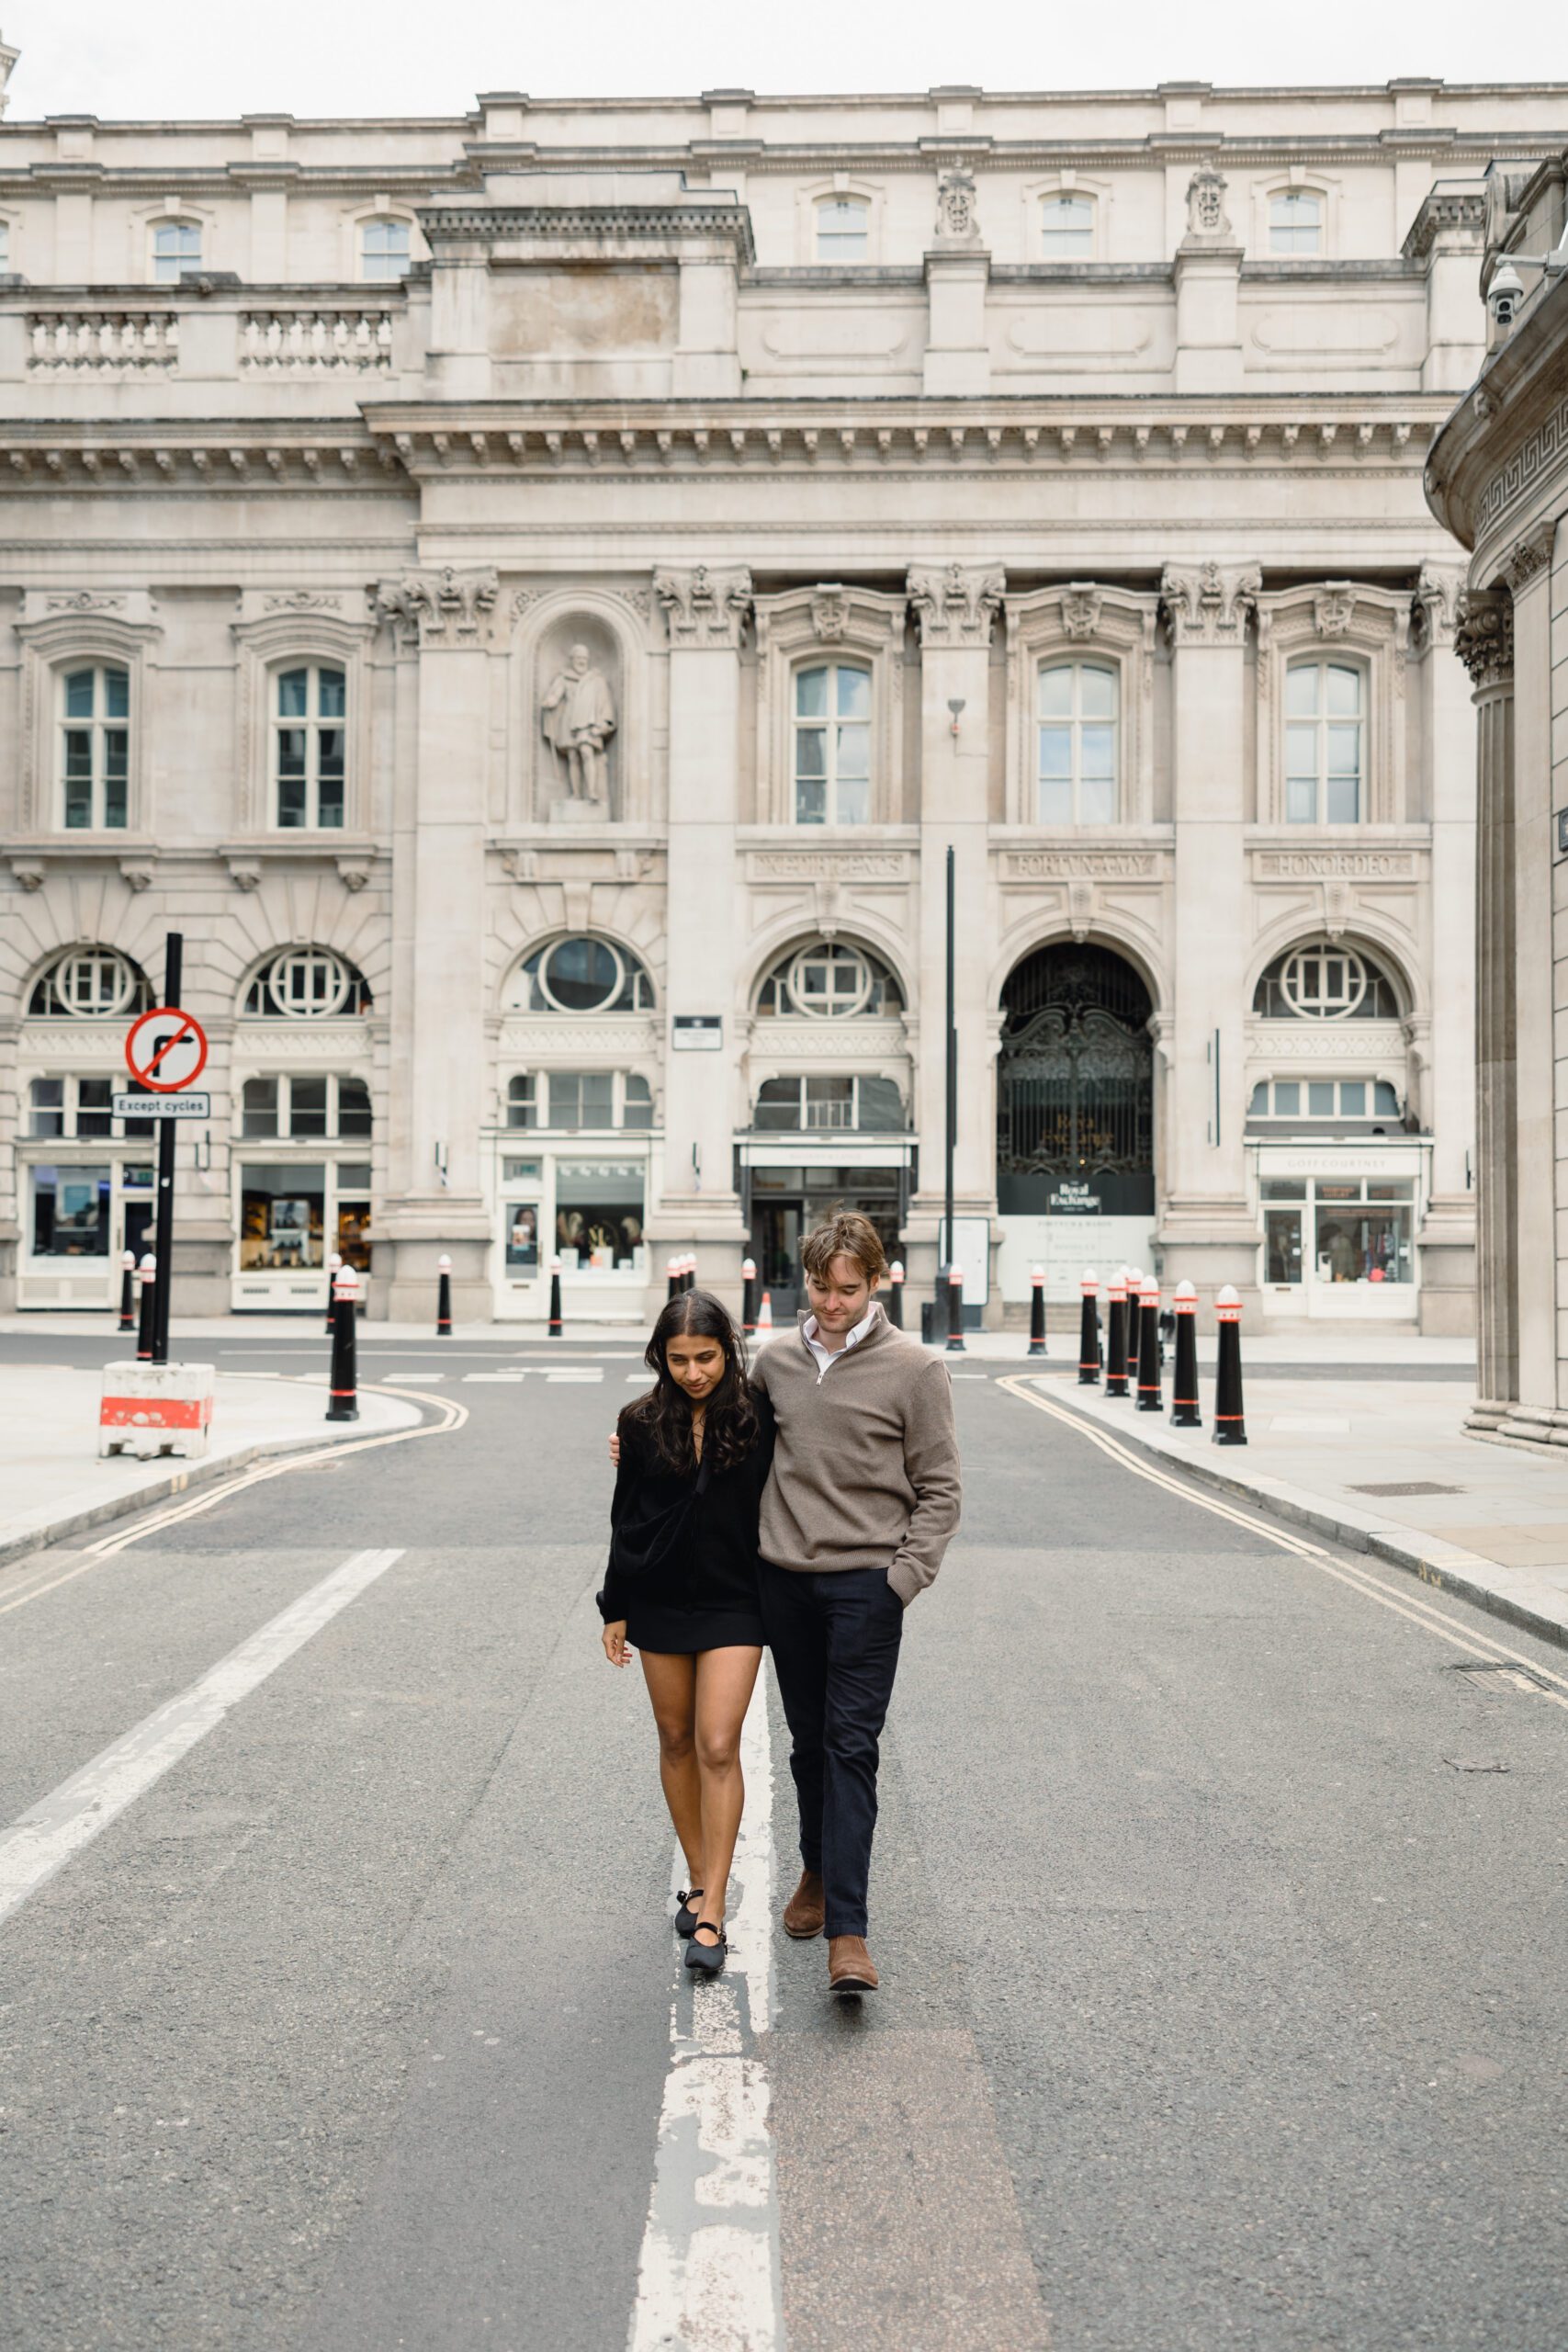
(1491, 1674)
(1409, 1486)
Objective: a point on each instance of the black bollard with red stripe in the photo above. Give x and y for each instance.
(1116, 1335)
(1149, 1397)
(555, 1328)
(747, 1296)
(1135, 1311)
(127, 1291)
(342, 1381)
(956, 1311)
(1230, 1424)
(444, 1297)
(895, 1294)
(672, 1279)
(1184, 1412)
(147, 1275)
(1037, 1311)
(1088, 1329)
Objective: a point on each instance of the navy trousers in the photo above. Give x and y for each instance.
(835, 1637)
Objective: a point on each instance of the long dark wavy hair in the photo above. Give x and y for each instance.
(729, 1419)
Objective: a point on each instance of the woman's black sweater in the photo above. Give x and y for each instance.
(712, 1564)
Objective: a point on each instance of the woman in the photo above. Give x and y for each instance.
(681, 1588)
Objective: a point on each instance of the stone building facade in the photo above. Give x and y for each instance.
(534, 599)
(1498, 478)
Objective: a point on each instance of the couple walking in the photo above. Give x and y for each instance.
(800, 1507)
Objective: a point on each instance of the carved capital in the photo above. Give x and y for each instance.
(1206, 215)
(957, 208)
(83, 600)
(1530, 557)
(955, 606)
(1483, 638)
(440, 608)
(1438, 590)
(1209, 605)
(706, 606)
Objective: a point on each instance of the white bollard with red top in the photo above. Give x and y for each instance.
(343, 1381)
(1037, 1310)
(895, 1294)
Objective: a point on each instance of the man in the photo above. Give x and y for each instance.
(859, 1507)
(579, 713)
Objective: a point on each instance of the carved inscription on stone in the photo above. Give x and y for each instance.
(1346, 864)
(1075, 865)
(828, 864)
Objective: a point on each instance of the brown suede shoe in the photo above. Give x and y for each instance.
(804, 1913)
(851, 1968)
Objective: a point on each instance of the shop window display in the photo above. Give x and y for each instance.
(599, 1212)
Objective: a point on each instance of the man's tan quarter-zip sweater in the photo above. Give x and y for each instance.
(865, 1465)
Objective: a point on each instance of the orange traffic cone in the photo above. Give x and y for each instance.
(766, 1314)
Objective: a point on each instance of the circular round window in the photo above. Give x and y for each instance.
(1324, 983)
(308, 984)
(582, 976)
(831, 983)
(94, 982)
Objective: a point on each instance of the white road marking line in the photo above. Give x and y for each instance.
(403, 1379)
(61, 1823)
(513, 1376)
(709, 2275)
(589, 1372)
(1403, 1604)
(636, 1380)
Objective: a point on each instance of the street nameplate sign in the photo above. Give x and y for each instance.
(166, 1050)
(162, 1106)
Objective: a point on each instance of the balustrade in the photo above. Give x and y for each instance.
(86, 343)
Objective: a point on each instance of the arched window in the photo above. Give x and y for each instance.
(307, 984)
(843, 229)
(1066, 227)
(832, 745)
(1295, 222)
(580, 975)
(383, 251)
(1326, 980)
(177, 251)
(1078, 744)
(95, 749)
(90, 984)
(1324, 743)
(828, 981)
(308, 737)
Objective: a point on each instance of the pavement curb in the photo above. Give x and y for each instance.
(179, 1482)
(1446, 1566)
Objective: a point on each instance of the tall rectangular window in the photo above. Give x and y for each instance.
(383, 252)
(1295, 223)
(1066, 227)
(309, 740)
(1322, 743)
(177, 251)
(832, 745)
(843, 230)
(95, 749)
(1078, 744)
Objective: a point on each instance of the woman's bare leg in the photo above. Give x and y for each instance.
(725, 1679)
(672, 1681)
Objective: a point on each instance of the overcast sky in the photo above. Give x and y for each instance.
(326, 57)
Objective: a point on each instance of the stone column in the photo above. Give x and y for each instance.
(1207, 1231)
(955, 607)
(1485, 643)
(958, 274)
(1539, 1076)
(436, 1183)
(1447, 1238)
(705, 610)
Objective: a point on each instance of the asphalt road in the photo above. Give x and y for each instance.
(1220, 1912)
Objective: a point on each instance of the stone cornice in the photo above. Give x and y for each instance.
(479, 222)
(1507, 441)
(1446, 211)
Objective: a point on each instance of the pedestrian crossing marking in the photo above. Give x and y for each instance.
(583, 1371)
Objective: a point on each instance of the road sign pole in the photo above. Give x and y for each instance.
(174, 956)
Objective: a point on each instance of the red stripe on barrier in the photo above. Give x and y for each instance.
(155, 1412)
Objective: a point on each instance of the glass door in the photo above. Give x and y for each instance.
(779, 1225)
(1281, 1246)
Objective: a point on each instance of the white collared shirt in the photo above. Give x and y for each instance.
(827, 1357)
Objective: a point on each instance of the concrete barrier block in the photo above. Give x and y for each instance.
(151, 1408)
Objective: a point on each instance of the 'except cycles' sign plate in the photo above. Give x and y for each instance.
(165, 1051)
(162, 1106)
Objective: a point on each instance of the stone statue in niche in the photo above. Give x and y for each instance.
(577, 711)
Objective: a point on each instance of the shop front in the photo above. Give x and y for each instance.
(293, 1214)
(81, 1210)
(1338, 1229)
(590, 1209)
(787, 1185)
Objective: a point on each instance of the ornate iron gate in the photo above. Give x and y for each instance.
(1075, 1095)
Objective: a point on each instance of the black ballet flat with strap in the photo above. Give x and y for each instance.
(685, 1918)
(707, 1958)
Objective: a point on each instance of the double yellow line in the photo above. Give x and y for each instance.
(449, 1417)
(1408, 1605)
